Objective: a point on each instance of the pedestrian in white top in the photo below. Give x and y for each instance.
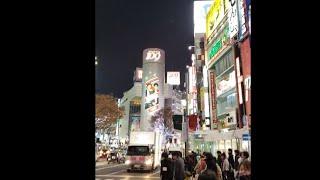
(226, 168)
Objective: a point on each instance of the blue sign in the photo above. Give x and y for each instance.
(246, 137)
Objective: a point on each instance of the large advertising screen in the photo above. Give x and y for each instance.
(200, 10)
(152, 94)
(173, 78)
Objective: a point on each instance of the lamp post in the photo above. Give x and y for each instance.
(190, 47)
(96, 60)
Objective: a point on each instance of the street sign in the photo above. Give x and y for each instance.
(246, 137)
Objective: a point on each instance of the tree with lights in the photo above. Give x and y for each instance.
(107, 113)
(162, 121)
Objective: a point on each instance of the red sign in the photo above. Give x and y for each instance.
(213, 96)
(213, 89)
(193, 122)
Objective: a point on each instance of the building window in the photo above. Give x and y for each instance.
(224, 63)
(227, 103)
(134, 108)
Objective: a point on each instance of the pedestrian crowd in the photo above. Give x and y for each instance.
(205, 166)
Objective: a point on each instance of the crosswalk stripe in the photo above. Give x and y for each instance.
(127, 176)
(108, 167)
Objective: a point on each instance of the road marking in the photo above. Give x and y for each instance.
(117, 172)
(107, 167)
(126, 176)
(154, 173)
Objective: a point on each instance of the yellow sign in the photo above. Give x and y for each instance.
(215, 15)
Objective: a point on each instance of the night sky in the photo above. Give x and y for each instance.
(124, 28)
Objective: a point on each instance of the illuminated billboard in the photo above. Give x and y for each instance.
(226, 84)
(152, 94)
(242, 19)
(215, 15)
(173, 78)
(233, 18)
(153, 76)
(192, 79)
(200, 10)
(138, 75)
(153, 55)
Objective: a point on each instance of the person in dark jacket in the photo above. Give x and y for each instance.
(189, 163)
(219, 159)
(211, 170)
(236, 159)
(231, 158)
(178, 166)
(166, 171)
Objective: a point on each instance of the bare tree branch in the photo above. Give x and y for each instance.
(107, 111)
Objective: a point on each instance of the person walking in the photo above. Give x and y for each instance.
(178, 166)
(219, 171)
(243, 155)
(166, 169)
(227, 173)
(245, 170)
(201, 164)
(231, 162)
(236, 162)
(211, 169)
(231, 158)
(236, 159)
(219, 160)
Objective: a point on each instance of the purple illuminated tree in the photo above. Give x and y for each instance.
(162, 121)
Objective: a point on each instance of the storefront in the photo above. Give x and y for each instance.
(199, 143)
(202, 146)
(226, 92)
(235, 139)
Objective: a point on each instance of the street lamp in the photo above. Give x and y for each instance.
(96, 60)
(193, 57)
(190, 47)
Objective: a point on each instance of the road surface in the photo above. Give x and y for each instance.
(119, 172)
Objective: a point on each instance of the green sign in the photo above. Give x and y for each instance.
(215, 48)
(218, 44)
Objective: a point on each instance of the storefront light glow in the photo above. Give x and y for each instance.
(247, 83)
(190, 79)
(239, 81)
(206, 105)
(200, 11)
(205, 77)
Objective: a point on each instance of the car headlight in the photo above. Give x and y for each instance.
(127, 162)
(148, 162)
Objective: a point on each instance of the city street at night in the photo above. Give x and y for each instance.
(119, 172)
(173, 90)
